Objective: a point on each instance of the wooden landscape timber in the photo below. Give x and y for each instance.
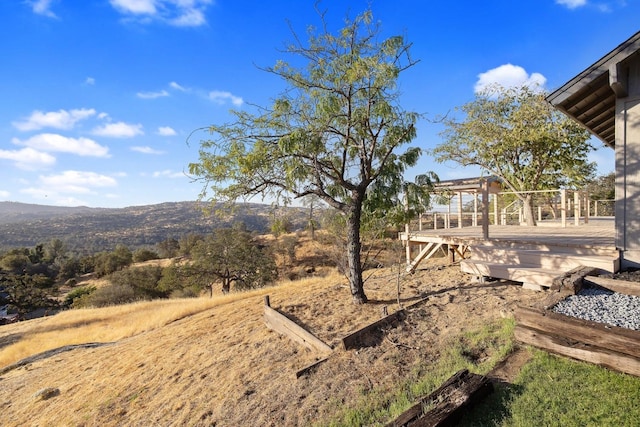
(610, 346)
(445, 405)
(280, 323)
(615, 285)
(362, 337)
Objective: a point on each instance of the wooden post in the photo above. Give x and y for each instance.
(266, 301)
(595, 207)
(485, 209)
(459, 209)
(587, 207)
(576, 208)
(539, 213)
(435, 220)
(563, 207)
(283, 325)
(475, 209)
(495, 209)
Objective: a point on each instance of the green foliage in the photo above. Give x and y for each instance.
(169, 248)
(233, 257)
(109, 262)
(25, 293)
(70, 268)
(182, 281)
(70, 298)
(107, 296)
(54, 251)
(188, 242)
(518, 136)
(15, 262)
(143, 280)
(602, 187)
(334, 132)
(142, 255)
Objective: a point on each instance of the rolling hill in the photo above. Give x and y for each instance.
(90, 230)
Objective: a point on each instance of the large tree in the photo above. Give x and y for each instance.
(334, 132)
(515, 134)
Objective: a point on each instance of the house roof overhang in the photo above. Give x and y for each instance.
(590, 97)
(468, 185)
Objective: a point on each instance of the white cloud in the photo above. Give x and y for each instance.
(4, 194)
(28, 158)
(61, 119)
(152, 95)
(76, 182)
(179, 13)
(176, 86)
(57, 143)
(167, 173)
(189, 18)
(90, 81)
(119, 130)
(136, 7)
(166, 131)
(572, 4)
(146, 150)
(220, 97)
(42, 7)
(507, 76)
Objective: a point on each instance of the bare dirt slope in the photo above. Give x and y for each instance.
(223, 367)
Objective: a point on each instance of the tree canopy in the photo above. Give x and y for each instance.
(334, 132)
(516, 135)
(233, 257)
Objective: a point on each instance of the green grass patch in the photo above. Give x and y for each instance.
(478, 351)
(555, 391)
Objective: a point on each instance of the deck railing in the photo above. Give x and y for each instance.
(559, 208)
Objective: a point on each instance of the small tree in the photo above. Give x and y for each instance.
(25, 293)
(333, 133)
(518, 136)
(169, 248)
(232, 257)
(142, 255)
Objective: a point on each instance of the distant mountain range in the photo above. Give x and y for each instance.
(89, 230)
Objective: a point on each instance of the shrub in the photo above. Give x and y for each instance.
(143, 281)
(70, 299)
(142, 255)
(106, 296)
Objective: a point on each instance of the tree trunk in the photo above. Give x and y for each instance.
(354, 272)
(527, 210)
(226, 284)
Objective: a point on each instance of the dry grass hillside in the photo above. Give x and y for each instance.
(204, 362)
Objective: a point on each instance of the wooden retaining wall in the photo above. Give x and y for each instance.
(610, 346)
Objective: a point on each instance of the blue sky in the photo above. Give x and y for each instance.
(98, 97)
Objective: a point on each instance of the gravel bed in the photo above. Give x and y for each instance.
(602, 306)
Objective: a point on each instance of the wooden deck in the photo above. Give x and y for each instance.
(532, 255)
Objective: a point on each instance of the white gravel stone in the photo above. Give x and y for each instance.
(602, 306)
